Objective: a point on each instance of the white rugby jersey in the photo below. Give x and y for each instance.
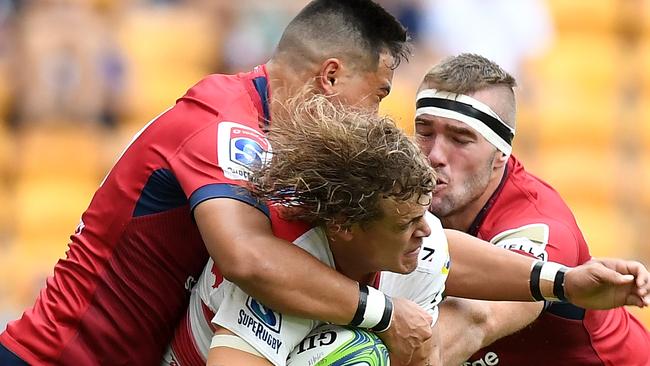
(273, 334)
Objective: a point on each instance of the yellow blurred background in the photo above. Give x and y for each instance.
(79, 77)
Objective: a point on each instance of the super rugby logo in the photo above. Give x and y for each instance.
(240, 148)
(264, 323)
(267, 316)
(244, 150)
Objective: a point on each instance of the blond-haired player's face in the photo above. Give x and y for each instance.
(393, 242)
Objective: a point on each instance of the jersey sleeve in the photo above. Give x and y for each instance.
(215, 162)
(425, 285)
(548, 240)
(272, 334)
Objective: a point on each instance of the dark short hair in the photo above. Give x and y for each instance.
(350, 25)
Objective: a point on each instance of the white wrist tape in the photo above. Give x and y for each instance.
(551, 272)
(374, 311)
(374, 308)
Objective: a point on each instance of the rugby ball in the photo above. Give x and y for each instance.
(332, 345)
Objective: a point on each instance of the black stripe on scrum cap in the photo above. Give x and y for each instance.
(494, 124)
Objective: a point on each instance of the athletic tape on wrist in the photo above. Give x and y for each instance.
(534, 281)
(548, 271)
(558, 285)
(387, 317)
(374, 311)
(374, 308)
(361, 306)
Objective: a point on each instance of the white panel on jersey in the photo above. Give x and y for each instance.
(272, 334)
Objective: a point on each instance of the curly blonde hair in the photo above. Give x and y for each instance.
(335, 164)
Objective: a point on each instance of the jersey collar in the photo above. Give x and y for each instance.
(261, 97)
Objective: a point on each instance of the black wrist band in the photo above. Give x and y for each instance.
(361, 307)
(534, 281)
(558, 285)
(384, 323)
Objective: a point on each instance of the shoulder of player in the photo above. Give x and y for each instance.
(528, 206)
(525, 194)
(224, 95)
(530, 215)
(204, 106)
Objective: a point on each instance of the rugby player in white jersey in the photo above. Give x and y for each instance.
(362, 188)
(374, 218)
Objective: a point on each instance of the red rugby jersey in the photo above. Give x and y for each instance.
(123, 286)
(525, 214)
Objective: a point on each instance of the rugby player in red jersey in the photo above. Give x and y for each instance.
(465, 122)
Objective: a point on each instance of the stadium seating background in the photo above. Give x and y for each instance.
(583, 122)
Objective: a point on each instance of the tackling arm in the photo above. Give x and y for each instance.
(281, 275)
(473, 324)
(481, 271)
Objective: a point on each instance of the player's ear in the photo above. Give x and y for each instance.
(328, 75)
(500, 159)
(339, 233)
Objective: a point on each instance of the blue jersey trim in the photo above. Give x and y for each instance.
(223, 190)
(162, 192)
(566, 310)
(261, 85)
(8, 358)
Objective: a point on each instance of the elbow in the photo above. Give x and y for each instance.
(238, 273)
(476, 311)
(485, 323)
(481, 320)
(488, 329)
(242, 268)
(478, 316)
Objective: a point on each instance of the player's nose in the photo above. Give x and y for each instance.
(437, 154)
(423, 229)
